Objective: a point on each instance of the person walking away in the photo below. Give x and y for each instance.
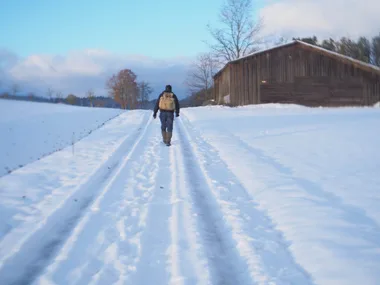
(167, 103)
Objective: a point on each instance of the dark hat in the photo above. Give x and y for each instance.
(168, 88)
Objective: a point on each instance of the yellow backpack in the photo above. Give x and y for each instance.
(167, 102)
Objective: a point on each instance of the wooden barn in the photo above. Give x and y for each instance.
(297, 73)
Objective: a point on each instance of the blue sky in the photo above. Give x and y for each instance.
(72, 46)
(166, 28)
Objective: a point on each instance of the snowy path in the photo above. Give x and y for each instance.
(126, 209)
(250, 250)
(311, 178)
(132, 216)
(27, 247)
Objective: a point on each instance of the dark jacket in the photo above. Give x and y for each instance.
(156, 107)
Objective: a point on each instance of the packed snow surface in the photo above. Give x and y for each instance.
(267, 194)
(30, 131)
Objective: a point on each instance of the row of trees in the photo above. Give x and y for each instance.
(14, 88)
(53, 96)
(364, 49)
(124, 92)
(71, 99)
(127, 91)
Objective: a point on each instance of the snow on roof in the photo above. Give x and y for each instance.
(252, 54)
(332, 53)
(265, 50)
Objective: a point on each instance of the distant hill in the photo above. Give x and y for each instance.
(106, 102)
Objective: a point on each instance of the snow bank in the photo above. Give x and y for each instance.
(40, 202)
(251, 195)
(315, 173)
(31, 130)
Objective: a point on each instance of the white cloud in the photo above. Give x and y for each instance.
(78, 71)
(323, 18)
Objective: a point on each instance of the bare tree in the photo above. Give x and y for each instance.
(200, 76)
(281, 41)
(91, 95)
(59, 95)
(50, 93)
(240, 34)
(15, 89)
(145, 90)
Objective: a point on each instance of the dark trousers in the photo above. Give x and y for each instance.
(167, 119)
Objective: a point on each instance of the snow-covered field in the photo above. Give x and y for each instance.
(253, 195)
(30, 131)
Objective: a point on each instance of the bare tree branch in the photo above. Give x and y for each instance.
(15, 89)
(240, 35)
(59, 95)
(50, 93)
(90, 95)
(199, 78)
(145, 90)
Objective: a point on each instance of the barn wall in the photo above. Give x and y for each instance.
(305, 76)
(301, 75)
(244, 82)
(222, 85)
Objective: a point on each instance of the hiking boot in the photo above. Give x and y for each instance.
(168, 138)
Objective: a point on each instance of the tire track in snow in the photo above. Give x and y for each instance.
(329, 198)
(170, 251)
(148, 238)
(334, 214)
(107, 245)
(260, 249)
(32, 253)
(155, 239)
(188, 260)
(224, 262)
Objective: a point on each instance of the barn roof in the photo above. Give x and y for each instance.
(335, 55)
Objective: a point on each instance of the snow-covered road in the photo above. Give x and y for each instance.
(214, 208)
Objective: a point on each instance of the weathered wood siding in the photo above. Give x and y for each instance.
(222, 85)
(304, 76)
(245, 84)
(301, 75)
